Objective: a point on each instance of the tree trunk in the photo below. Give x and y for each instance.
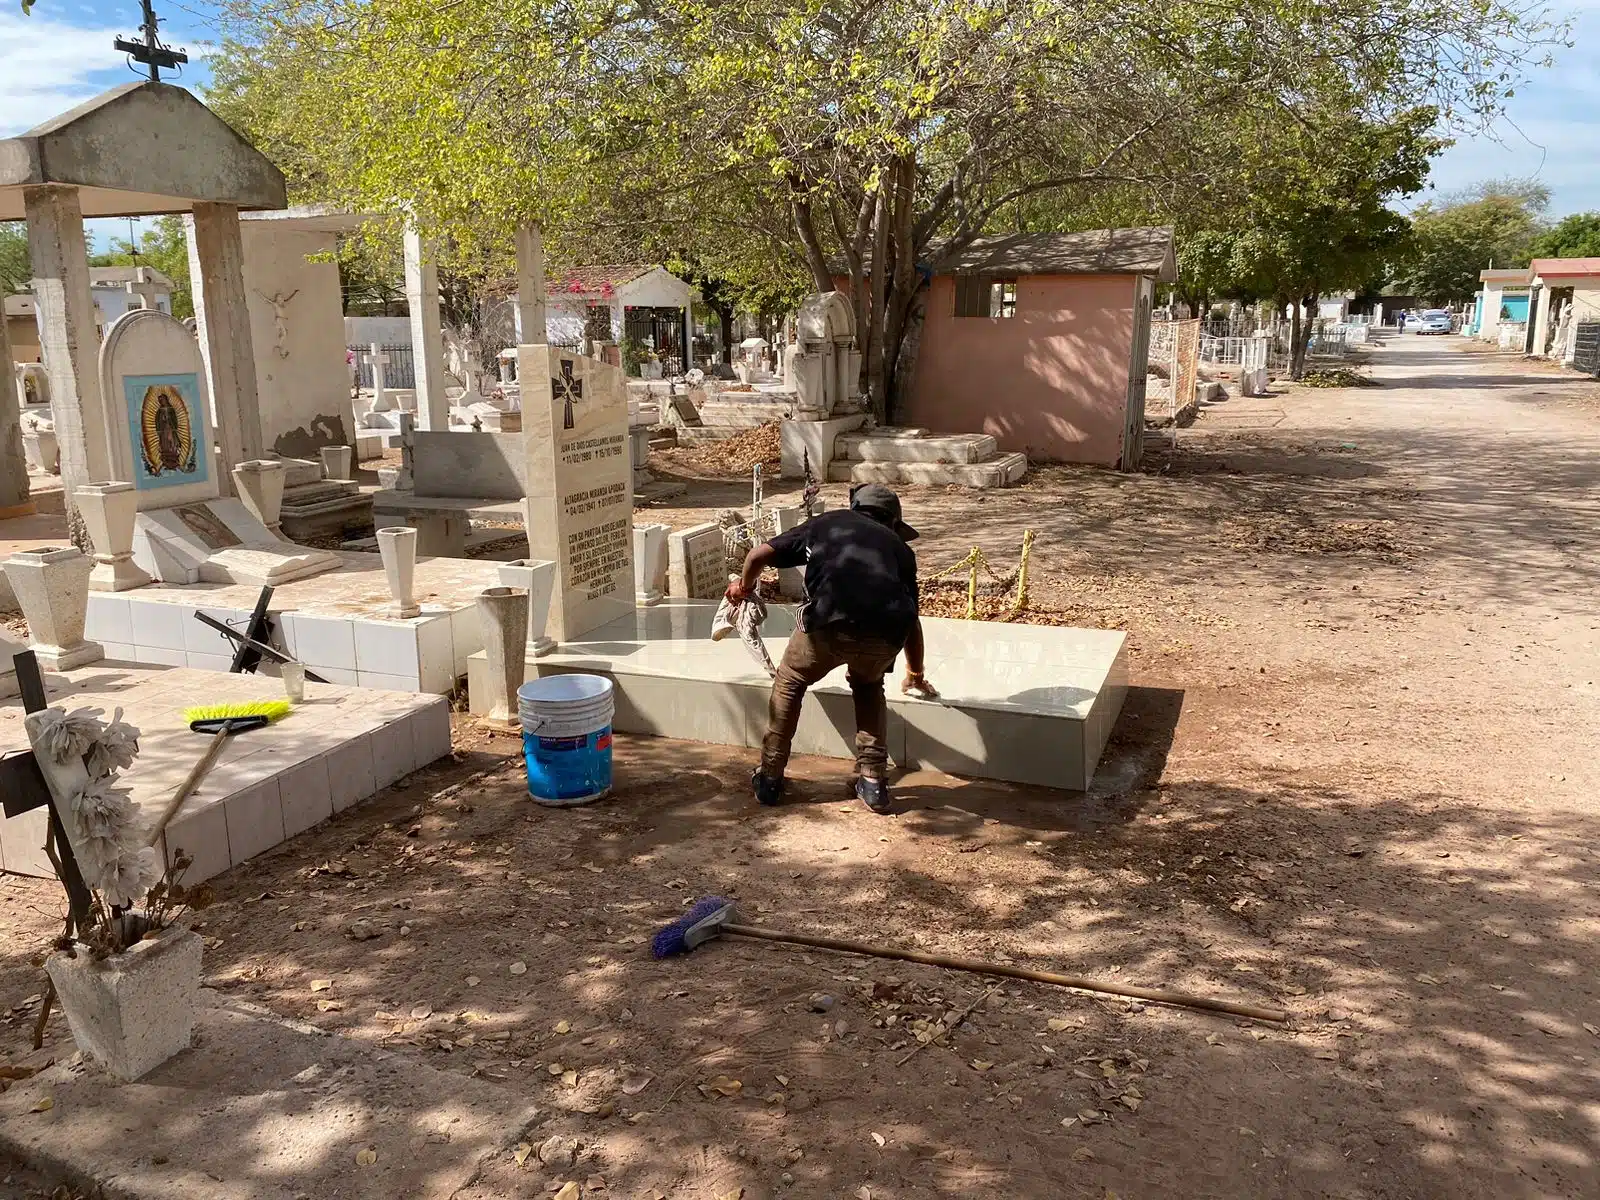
(725, 318)
(902, 291)
(877, 380)
(806, 226)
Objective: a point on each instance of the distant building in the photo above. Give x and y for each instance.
(1503, 299)
(109, 287)
(1041, 340)
(642, 302)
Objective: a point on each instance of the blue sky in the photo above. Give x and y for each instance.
(62, 55)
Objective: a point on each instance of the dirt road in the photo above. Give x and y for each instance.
(1356, 776)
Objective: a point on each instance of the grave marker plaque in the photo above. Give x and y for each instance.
(580, 485)
(698, 562)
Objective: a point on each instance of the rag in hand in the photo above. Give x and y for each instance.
(745, 620)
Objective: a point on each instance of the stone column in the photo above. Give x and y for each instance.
(108, 511)
(531, 317)
(538, 579)
(427, 335)
(222, 323)
(14, 499)
(52, 586)
(67, 335)
(649, 562)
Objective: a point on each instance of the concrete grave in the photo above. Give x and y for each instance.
(163, 440)
(697, 562)
(580, 485)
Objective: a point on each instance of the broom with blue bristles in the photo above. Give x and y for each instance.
(222, 721)
(713, 916)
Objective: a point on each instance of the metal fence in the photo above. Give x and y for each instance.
(399, 372)
(1172, 371)
(1586, 347)
(1246, 353)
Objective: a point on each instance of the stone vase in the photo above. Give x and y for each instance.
(538, 579)
(503, 621)
(132, 1011)
(42, 451)
(397, 546)
(108, 510)
(650, 562)
(337, 461)
(259, 482)
(52, 586)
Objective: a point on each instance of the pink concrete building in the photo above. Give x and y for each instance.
(1041, 340)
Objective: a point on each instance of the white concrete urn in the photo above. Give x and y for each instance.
(397, 546)
(108, 510)
(132, 1011)
(259, 482)
(650, 562)
(503, 621)
(42, 451)
(52, 586)
(538, 579)
(337, 461)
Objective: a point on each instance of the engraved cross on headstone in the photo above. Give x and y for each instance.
(568, 389)
(150, 51)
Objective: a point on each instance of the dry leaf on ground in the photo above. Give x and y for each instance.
(521, 1153)
(569, 1191)
(721, 1085)
(321, 985)
(366, 1157)
(44, 1105)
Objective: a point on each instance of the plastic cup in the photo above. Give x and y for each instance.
(294, 681)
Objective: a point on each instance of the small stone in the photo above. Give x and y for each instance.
(559, 1151)
(786, 1179)
(361, 931)
(821, 1002)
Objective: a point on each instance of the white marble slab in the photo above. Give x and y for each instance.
(337, 748)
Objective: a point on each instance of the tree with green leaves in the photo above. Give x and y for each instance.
(868, 141)
(1490, 225)
(1576, 236)
(16, 259)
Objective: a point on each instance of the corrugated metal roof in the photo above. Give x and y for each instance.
(1141, 251)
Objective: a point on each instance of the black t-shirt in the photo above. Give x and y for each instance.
(860, 574)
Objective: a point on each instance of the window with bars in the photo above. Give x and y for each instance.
(597, 323)
(985, 296)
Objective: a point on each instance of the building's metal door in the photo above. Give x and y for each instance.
(1138, 368)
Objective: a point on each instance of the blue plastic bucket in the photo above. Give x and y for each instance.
(566, 737)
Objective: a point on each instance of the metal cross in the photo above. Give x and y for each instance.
(569, 389)
(151, 51)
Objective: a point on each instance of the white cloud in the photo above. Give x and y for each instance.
(50, 65)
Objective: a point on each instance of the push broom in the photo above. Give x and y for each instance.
(222, 721)
(714, 916)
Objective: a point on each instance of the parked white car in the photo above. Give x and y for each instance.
(1434, 320)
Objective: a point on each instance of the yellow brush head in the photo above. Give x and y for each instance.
(272, 710)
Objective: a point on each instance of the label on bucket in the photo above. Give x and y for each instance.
(568, 770)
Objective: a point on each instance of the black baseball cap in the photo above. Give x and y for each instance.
(879, 501)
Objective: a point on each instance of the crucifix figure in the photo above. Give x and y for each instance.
(150, 51)
(568, 389)
(280, 322)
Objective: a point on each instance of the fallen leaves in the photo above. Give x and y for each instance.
(321, 985)
(981, 1065)
(880, 1139)
(632, 1085)
(330, 1005)
(366, 1157)
(521, 1153)
(420, 1012)
(43, 1105)
(720, 1085)
(563, 1027)
(1057, 1024)
(1594, 1029)
(569, 1190)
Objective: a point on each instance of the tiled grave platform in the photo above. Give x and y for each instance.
(333, 751)
(1024, 703)
(334, 623)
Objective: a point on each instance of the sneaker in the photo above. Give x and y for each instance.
(874, 793)
(769, 791)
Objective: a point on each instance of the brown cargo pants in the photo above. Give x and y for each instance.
(807, 659)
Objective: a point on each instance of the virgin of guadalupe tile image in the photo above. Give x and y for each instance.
(168, 430)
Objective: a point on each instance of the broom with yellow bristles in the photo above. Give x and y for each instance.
(222, 721)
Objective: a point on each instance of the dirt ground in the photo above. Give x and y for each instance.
(1355, 777)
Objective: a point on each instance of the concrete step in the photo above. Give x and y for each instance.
(943, 448)
(1000, 471)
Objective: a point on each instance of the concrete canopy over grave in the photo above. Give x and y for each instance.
(580, 485)
(140, 149)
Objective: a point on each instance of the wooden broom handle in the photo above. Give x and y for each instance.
(984, 968)
(190, 782)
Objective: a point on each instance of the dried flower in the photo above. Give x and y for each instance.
(114, 749)
(65, 736)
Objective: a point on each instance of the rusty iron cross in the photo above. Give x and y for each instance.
(151, 51)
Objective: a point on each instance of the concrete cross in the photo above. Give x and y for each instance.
(378, 359)
(142, 290)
